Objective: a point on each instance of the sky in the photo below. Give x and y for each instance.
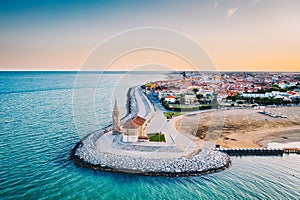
(243, 35)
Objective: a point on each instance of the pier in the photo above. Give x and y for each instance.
(258, 151)
(291, 150)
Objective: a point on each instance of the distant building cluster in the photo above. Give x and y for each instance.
(194, 88)
(281, 86)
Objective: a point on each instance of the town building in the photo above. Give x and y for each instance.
(170, 98)
(189, 99)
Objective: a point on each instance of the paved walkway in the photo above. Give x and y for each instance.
(186, 147)
(160, 124)
(107, 144)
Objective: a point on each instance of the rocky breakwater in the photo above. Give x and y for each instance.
(206, 161)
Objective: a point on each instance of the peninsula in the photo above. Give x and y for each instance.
(145, 142)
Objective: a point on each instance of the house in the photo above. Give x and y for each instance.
(170, 98)
(260, 95)
(292, 93)
(134, 128)
(189, 99)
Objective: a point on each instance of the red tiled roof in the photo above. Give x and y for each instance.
(170, 97)
(139, 120)
(134, 123)
(291, 92)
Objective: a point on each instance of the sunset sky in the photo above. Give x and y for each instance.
(237, 35)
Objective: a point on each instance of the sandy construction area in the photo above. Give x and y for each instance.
(238, 128)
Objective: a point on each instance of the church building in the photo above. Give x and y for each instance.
(134, 128)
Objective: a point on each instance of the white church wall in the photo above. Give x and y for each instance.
(130, 138)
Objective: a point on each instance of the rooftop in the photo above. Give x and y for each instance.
(134, 122)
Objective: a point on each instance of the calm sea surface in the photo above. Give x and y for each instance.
(43, 115)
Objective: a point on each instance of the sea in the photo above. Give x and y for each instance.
(44, 114)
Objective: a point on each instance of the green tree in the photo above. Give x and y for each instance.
(240, 102)
(195, 90)
(199, 96)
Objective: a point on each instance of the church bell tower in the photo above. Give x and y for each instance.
(116, 119)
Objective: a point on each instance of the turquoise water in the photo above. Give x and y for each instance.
(39, 127)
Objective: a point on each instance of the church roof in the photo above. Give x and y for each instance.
(134, 123)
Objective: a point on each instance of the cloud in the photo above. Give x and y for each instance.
(231, 11)
(217, 4)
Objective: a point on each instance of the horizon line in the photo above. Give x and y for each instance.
(63, 70)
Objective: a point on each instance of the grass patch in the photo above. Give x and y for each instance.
(180, 106)
(156, 137)
(169, 115)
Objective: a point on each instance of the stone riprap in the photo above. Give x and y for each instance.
(203, 162)
(140, 104)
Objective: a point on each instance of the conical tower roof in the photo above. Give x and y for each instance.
(116, 108)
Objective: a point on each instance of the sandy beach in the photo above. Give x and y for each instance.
(243, 128)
